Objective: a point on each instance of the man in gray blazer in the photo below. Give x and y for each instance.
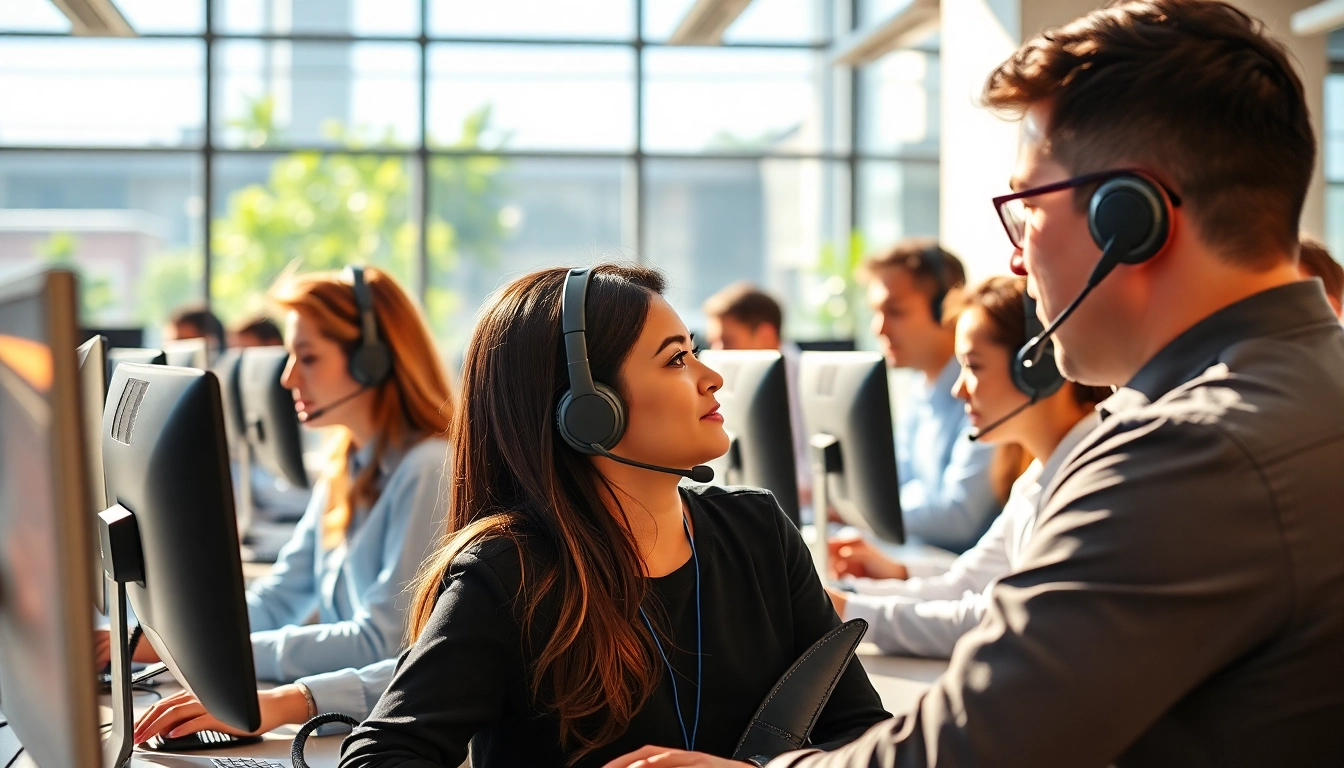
(1182, 601)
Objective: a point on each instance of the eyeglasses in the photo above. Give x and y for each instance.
(1013, 211)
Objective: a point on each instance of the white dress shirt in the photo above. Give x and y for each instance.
(925, 616)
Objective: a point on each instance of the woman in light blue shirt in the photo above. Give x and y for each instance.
(363, 363)
(913, 611)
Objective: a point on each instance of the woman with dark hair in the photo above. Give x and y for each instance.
(924, 614)
(580, 608)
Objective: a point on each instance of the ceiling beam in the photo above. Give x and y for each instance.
(706, 21)
(1319, 18)
(94, 18)
(905, 28)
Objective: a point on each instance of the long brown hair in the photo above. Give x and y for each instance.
(414, 401)
(513, 477)
(1001, 300)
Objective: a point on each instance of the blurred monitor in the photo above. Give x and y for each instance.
(46, 628)
(118, 355)
(754, 401)
(845, 402)
(92, 359)
(116, 337)
(269, 419)
(187, 353)
(827, 345)
(228, 368)
(168, 465)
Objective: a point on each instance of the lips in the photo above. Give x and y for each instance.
(713, 414)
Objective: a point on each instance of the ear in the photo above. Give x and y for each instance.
(766, 336)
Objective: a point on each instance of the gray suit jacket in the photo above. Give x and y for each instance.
(1182, 601)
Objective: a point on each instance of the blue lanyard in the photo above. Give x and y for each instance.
(699, 659)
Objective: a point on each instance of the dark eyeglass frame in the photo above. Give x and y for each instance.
(1076, 181)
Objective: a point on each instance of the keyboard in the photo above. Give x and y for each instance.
(200, 740)
(244, 762)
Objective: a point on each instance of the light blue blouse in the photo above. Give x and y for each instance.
(359, 589)
(947, 498)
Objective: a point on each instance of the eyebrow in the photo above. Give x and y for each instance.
(669, 340)
(301, 345)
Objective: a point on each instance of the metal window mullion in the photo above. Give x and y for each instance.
(641, 228)
(423, 154)
(208, 153)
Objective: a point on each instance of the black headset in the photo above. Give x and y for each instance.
(371, 360)
(933, 257)
(1129, 217)
(589, 412)
(1042, 379)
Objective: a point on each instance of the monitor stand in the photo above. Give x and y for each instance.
(825, 453)
(123, 562)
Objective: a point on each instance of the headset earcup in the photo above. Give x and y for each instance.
(370, 364)
(1040, 380)
(1132, 211)
(598, 418)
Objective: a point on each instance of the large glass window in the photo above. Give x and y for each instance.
(129, 223)
(458, 144)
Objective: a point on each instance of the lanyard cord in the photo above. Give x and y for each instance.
(699, 658)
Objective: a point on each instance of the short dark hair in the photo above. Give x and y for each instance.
(1315, 259)
(1193, 90)
(934, 269)
(746, 304)
(264, 328)
(204, 320)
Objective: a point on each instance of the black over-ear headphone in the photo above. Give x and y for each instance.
(933, 259)
(1130, 217)
(590, 415)
(1042, 379)
(371, 360)
(590, 412)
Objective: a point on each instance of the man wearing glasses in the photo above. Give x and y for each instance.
(1182, 600)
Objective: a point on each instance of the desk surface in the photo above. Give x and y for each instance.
(898, 680)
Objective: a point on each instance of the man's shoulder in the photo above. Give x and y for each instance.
(1272, 401)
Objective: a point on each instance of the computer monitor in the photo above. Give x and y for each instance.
(187, 353)
(47, 690)
(754, 401)
(229, 368)
(116, 337)
(118, 355)
(847, 410)
(92, 358)
(269, 418)
(827, 345)
(168, 470)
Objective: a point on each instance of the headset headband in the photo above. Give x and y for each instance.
(573, 302)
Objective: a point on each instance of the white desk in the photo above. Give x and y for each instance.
(322, 751)
(899, 680)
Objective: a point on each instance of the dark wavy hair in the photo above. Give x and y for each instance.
(514, 477)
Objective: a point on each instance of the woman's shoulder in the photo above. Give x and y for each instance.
(503, 560)
(429, 454)
(737, 506)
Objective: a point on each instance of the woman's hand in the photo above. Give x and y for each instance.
(838, 599)
(665, 757)
(856, 557)
(102, 649)
(181, 714)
